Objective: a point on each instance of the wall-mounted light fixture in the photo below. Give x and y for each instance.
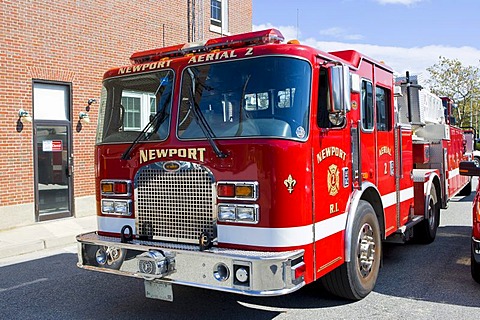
(24, 115)
(83, 116)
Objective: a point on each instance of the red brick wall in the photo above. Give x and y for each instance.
(76, 42)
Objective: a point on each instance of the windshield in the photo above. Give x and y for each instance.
(258, 97)
(129, 104)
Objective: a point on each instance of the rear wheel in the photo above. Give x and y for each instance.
(426, 231)
(356, 279)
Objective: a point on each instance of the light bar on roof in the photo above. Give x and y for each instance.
(229, 42)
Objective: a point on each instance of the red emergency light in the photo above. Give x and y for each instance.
(228, 42)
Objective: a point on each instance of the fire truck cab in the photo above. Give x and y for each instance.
(248, 165)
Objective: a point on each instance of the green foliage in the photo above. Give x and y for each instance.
(450, 78)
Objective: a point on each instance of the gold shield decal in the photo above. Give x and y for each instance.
(333, 180)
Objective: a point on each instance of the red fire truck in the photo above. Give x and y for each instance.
(248, 165)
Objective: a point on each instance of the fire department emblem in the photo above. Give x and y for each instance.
(290, 183)
(333, 180)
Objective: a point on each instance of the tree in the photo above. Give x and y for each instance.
(452, 79)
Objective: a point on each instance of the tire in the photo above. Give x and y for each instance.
(426, 231)
(355, 279)
(474, 267)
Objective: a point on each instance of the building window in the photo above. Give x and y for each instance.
(138, 109)
(219, 16)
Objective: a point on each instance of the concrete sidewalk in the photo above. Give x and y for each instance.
(44, 235)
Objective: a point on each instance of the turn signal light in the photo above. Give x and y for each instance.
(238, 190)
(115, 187)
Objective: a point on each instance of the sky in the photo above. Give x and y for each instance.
(408, 35)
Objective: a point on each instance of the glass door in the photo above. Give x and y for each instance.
(52, 150)
(53, 171)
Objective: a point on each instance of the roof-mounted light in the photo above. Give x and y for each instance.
(246, 39)
(157, 54)
(229, 42)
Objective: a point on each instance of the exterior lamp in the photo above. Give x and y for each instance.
(84, 117)
(24, 115)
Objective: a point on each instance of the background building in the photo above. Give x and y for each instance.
(52, 58)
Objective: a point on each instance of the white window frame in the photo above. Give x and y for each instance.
(223, 29)
(144, 108)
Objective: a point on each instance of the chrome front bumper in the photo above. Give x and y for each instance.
(266, 273)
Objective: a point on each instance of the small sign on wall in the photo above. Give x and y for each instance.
(52, 146)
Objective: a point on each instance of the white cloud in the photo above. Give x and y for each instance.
(416, 59)
(340, 33)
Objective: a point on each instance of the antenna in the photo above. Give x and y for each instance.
(297, 23)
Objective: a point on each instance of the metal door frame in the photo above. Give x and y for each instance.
(68, 123)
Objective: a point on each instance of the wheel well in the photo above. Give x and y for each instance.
(438, 190)
(371, 196)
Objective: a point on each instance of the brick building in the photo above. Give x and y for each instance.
(52, 58)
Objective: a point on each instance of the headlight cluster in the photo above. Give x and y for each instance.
(118, 207)
(238, 213)
(117, 189)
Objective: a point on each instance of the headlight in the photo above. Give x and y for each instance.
(246, 214)
(117, 207)
(238, 213)
(226, 213)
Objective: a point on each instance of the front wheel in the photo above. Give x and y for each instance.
(355, 279)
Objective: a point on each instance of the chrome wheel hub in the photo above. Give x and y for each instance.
(366, 250)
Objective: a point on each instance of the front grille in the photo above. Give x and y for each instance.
(174, 206)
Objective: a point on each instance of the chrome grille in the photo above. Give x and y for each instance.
(174, 206)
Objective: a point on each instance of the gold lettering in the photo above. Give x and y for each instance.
(201, 150)
(151, 154)
(143, 156)
(232, 54)
(162, 153)
(193, 59)
(122, 70)
(334, 208)
(201, 59)
(210, 57)
(249, 52)
(182, 153)
(224, 55)
(152, 66)
(137, 68)
(192, 153)
(172, 152)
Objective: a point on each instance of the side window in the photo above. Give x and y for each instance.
(367, 105)
(323, 100)
(383, 109)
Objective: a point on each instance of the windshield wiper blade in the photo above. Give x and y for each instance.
(159, 118)
(126, 154)
(202, 123)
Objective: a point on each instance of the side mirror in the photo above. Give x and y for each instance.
(339, 78)
(468, 168)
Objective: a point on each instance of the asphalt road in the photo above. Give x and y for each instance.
(416, 282)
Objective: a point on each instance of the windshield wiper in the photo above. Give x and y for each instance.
(200, 119)
(157, 119)
(160, 115)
